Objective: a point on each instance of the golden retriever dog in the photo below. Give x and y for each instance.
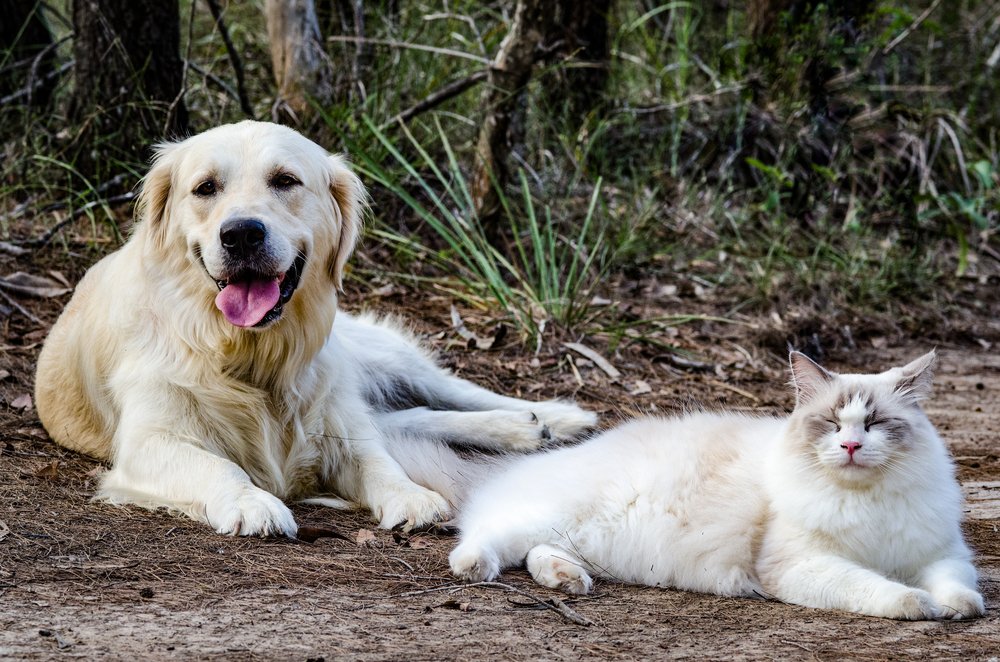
(203, 362)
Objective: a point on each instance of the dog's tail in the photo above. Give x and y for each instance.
(439, 467)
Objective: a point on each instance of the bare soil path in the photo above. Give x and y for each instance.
(85, 580)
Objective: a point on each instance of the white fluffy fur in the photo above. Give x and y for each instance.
(225, 423)
(743, 506)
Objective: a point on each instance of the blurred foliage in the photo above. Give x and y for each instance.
(851, 160)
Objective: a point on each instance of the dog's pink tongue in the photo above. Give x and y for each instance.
(245, 304)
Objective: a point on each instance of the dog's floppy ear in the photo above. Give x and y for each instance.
(351, 198)
(151, 205)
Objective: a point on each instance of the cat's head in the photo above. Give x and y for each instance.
(858, 427)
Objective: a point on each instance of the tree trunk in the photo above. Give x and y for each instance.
(301, 66)
(583, 29)
(509, 73)
(360, 19)
(128, 72)
(25, 38)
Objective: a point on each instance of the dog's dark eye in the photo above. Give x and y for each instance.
(206, 189)
(283, 180)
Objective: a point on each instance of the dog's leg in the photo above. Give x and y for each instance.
(160, 470)
(366, 473)
(398, 370)
(159, 462)
(494, 430)
(445, 391)
(562, 419)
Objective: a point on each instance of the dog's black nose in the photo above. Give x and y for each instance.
(242, 237)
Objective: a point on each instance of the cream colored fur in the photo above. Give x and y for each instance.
(225, 423)
(850, 503)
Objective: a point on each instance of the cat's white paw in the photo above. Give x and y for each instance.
(564, 420)
(959, 603)
(474, 563)
(557, 568)
(250, 511)
(409, 505)
(911, 604)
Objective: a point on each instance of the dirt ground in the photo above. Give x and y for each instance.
(86, 580)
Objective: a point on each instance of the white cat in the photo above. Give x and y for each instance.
(849, 503)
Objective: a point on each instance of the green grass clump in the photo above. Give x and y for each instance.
(544, 276)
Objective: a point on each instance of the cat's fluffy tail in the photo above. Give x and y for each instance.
(439, 467)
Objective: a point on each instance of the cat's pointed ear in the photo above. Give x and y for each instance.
(808, 377)
(916, 377)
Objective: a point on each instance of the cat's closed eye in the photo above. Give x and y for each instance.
(875, 419)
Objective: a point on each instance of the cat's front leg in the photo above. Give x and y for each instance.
(826, 581)
(474, 562)
(559, 568)
(952, 582)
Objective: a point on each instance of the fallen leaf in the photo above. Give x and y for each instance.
(599, 360)
(4, 530)
(50, 470)
(365, 538)
(33, 286)
(35, 336)
(384, 291)
(21, 402)
(58, 275)
(687, 364)
(471, 339)
(4, 374)
(641, 388)
(418, 543)
(11, 249)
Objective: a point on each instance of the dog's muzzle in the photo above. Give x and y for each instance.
(253, 291)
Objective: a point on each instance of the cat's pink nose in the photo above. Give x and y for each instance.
(850, 447)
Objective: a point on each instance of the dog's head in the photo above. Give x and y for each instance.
(257, 211)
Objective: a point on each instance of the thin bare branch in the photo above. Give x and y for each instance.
(73, 215)
(18, 307)
(910, 28)
(555, 604)
(36, 83)
(438, 97)
(234, 58)
(391, 43)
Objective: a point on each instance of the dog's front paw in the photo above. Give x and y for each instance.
(409, 505)
(473, 563)
(520, 431)
(250, 511)
(564, 420)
